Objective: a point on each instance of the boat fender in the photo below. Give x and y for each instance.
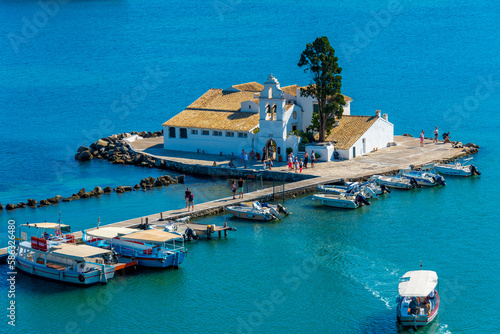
(81, 278)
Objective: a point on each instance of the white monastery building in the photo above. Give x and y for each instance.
(252, 116)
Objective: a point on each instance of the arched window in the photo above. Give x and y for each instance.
(273, 112)
(270, 93)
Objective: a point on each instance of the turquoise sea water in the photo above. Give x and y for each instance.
(77, 76)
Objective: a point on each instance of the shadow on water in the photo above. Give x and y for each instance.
(385, 322)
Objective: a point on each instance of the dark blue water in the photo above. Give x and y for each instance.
(94, 68)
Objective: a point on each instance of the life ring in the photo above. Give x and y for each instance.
(81, 278)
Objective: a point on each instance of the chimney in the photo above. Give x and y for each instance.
(386, 117)
(377, 113)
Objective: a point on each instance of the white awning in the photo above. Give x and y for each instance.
(418, 283)
(52, 226)
(110, 232)
(151, 236)
(78, 252)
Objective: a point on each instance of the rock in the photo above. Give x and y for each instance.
(120, 189)
(181, 178)
(471, 145)
(158, 183)
(32, 202)
(93, 146)
(148, 182)
(81, 192)
(44, 202)
(83, 156)
(21, 205)
(105, 139)
(113, 137)
(144, 164)
(71, 198)
(137, 187)
(10, 206)
(54, 200)
(124, 149)
(407, 135)
(1, 207)
(83, 148)
(107, 190)
(101, 143)
(165, 179)
(119, 162)
(98, 190)
(127, 188)
(86, 195)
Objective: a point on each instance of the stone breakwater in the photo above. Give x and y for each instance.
(145, 184)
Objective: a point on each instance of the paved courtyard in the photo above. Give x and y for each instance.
(406, 152)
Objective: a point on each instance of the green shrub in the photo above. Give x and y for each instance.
(289, 150)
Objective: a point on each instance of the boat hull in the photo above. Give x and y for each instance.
(453, 171)
(66, 276)
(249, 215)
(336, 202)
(172, 260)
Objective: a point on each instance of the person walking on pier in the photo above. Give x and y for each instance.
(422, 139)
(240, 187)
(301, 165)
(436, 133)
(263, 154)
(306, 159)
(233, 188)
(187, 194)
(191, 199)
(313, 159)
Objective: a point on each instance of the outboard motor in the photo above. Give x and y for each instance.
(384, 189)
(474, 170)
(360, 199)
(191, 234)
(440, 180)
(281, 209)
(414, 183)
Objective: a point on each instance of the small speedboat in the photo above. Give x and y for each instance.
(344, 201)
(367, 189)
(418, 298)
(397, 182)
(151, 248)
(457, 168)
(258, 211)
(423, 177)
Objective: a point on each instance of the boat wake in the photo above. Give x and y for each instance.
(356, 265)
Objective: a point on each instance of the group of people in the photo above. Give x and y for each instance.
(446, 137)
(189, 197)
(240, 188)
(294, 164)
(421, 302)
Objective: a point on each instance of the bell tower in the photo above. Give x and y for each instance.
(271, 101)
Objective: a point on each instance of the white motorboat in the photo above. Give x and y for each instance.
(423, 176)
(458, 168)
(367, 189)
(258, 211)
(342, 200)
(418, 298)
(394, 182)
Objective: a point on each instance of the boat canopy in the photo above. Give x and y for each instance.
(418, 283)
(78, 252)
(110, 232)
(52, 226)
(151, 236)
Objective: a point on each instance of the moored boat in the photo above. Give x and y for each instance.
(423, 177)
(457, 168)
(151, 248)
(258, 211)
(418, 298)
(396, 182)
(344, 201)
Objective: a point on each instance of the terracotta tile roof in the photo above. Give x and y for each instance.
(292, 89)
(349, 130)
(217, 120)
(250, 87)
(219, 110)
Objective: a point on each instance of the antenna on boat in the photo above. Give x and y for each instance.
(99, 222)
(420, 264)
(59, 218)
